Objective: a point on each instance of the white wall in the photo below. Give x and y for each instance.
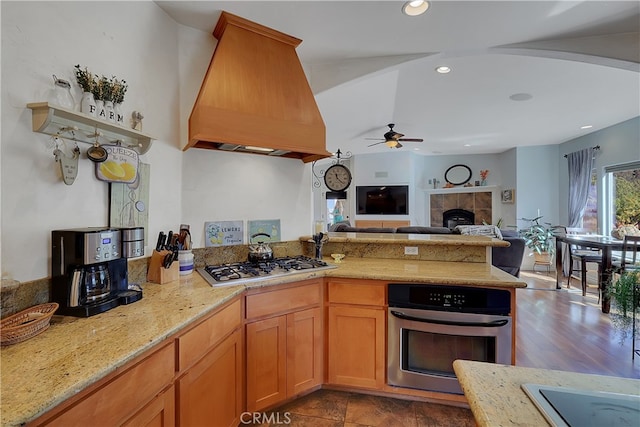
(45, 38)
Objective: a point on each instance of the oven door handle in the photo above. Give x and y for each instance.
(492, 324)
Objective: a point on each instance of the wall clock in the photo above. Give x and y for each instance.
(337, 178)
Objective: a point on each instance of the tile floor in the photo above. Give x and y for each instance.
(329, 408)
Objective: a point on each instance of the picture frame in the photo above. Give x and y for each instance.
(508, 196)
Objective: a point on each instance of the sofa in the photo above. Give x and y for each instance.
(508, 259)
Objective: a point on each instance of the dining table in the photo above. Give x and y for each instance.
(607, 245)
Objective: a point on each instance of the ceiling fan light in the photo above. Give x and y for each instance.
(391, 143)
(415, 8)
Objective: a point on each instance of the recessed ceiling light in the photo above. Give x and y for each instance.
(586, 127)
(415, 8)
(443, 69)
(467, 145)
(521, 97)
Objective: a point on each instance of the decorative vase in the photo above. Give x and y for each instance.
(483, 182)
(111, 115)
(117, 109)
(88, 104)
(101, 113)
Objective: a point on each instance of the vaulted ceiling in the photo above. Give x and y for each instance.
(522, 72)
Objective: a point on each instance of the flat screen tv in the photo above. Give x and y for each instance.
(382, 200)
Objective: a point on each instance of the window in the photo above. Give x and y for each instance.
(622, 196)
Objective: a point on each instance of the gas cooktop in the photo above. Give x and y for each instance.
(243, 272)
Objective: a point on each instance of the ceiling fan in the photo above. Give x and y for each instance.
(392, 138)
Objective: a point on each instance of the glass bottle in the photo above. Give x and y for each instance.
(60, 95)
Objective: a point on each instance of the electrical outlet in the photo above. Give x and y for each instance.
(411, 250)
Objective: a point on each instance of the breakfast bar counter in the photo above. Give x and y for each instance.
(496, 398)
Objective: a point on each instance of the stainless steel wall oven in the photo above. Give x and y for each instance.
(430, 326)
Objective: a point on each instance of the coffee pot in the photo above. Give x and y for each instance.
(95, 284)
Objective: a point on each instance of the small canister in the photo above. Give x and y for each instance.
(185, 259)
(132, 242)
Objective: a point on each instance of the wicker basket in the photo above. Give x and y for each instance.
(26, 324)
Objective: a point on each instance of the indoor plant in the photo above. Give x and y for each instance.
(624, 300)
(87, 83)
(539, 238)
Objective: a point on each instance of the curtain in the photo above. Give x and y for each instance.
(580, 167)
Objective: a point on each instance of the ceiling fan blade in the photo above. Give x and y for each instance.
(381, 142)
(411, 139)
(375, 139)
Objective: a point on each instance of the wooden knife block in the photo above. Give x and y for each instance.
(157, 273)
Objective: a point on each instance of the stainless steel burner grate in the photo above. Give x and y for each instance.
(227, 274)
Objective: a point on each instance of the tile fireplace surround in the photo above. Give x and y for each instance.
(482, 201)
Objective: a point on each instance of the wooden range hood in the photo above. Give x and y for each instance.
(255, 96)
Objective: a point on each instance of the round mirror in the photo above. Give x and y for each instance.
(458, 174)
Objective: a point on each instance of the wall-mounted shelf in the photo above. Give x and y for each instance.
(55, 120)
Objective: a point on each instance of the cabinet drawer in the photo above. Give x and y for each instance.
(361, 292)
(284, 300)
(127, 393)
(196, 342)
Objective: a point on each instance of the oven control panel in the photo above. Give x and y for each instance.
(446, 299)
(450, 298)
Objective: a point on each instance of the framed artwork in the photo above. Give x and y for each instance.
(223, 233)
(268, 228)
(508, 196)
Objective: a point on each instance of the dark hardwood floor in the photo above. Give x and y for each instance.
(561, 329)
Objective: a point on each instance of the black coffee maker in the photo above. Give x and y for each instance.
(89, 273)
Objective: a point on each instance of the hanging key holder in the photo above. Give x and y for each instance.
(68, 164)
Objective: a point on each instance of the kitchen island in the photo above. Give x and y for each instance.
(496, 398)
(75, 353)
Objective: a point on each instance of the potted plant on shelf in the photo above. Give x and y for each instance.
(539, 238)
(119, 89)
(87, 83)
(102, 92)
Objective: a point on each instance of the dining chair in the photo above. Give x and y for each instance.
(630, 256)
(583, 256)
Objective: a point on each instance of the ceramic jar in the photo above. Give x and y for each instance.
(88, 104)
(101, 112)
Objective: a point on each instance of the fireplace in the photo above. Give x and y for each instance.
(454, 217)
(483, 202)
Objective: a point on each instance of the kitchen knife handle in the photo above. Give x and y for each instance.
(169, 238)
(160, 242)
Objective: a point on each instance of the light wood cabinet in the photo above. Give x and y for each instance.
(210, 392)
(385, 223)
(284, 345)
(160, 412)
(266, 362)
(210, 359)
(121, 399)
(356, 335)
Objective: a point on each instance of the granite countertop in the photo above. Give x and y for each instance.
(496, 398)
(414, 239)
(73, 353)
(446, 273)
